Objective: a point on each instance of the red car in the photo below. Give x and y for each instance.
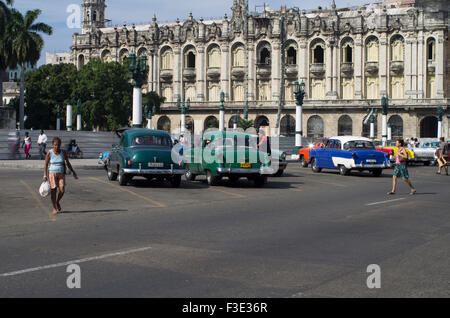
(304, 151)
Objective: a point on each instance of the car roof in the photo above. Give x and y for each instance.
(344, 139)
(142, 131)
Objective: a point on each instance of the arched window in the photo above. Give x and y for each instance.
(211, 122)
(214, 57)
(287, 126)
(372, 50)
(347, 50)
(80, 61)
(396, 123)
(167, 59)
(315, 127)
(123, 55)
(94, 16)
(164, 124)
(231, 121)
(264, 56)
(106, 56)
(191, 60)
(431, 50)
(291, 56)
(238, 56)
(261, 121)
(397, 48)
(318, 55)
(142, 51)
(345, 126)
(429, 127)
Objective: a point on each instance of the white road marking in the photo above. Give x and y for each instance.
(78, 261)
(381, 202)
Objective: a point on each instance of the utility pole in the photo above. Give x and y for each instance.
(283, 72)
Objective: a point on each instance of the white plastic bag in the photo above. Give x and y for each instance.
(44, 189)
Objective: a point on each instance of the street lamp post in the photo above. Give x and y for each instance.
(183, 107)
(246, 111)
(58, 119)
(79, 124)
(138, 71)
(149, 113)
(299, 92)
(222, 112)
(385, 105)
(440, 115)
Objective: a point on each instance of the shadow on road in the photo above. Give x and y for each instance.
(93, 211)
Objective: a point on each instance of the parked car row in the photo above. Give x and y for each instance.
(358, 153)
(154, 155)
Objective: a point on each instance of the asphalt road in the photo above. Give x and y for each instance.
(303, 235)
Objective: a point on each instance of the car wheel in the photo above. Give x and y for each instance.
(233, 178)
(112, 176)
(303, 162)
(343, 170)
(188, 174)
(314, 166)
(260, 181)
(279, 173)
(175, 181)
(211, 179)
(377, 172)
(123, 178)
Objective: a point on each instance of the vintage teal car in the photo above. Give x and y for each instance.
(228, 154)
(146, 153)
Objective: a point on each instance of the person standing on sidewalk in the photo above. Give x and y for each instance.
(42, 142)
(400, 169)
(57, 159)
(443, 153)
(26, 144)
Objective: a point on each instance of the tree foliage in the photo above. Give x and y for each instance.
(104, 89)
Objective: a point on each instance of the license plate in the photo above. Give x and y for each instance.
(371, 161)
(246, 165)
(155, 164)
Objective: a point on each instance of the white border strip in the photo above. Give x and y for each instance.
(388, 201)
(83, 260)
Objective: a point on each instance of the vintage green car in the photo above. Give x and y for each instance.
(146, 153)
(228, 154)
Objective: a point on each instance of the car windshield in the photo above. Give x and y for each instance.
(240, 143)
(151, 140)
(359, 144)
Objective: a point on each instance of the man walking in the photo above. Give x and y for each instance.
(42, 142)
(443, 154)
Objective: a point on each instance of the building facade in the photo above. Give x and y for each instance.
(58, 58)
(348, 58)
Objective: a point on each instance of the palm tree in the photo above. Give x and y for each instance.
(4, 17)
(23, 44)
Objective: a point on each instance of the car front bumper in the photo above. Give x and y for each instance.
(262, 171)
(154, 171)
(371, 166)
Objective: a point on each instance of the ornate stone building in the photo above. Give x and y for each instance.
(348, 58)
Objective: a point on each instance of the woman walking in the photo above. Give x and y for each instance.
(26, 144)
(57, 159)
(400, 169)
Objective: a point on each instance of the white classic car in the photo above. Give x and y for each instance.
(426, 153)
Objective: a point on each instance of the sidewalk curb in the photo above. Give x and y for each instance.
(4, 164)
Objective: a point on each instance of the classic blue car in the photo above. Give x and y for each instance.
(349, 153)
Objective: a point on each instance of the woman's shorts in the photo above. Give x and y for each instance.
(57, 180)
(401, 171)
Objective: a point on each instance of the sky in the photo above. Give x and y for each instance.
(54, 13)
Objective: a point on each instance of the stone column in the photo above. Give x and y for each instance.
(69, 117)
(225, 71)
(177, 74)
(137, 107)
(383, 65)
(303, 61)
(201, 74)
(408, 67)
(251, 71)
(329, 70)
(336, 55)
(421, 62)
(358, 67)
(276, 70)
(440, 66)
(414, 46)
